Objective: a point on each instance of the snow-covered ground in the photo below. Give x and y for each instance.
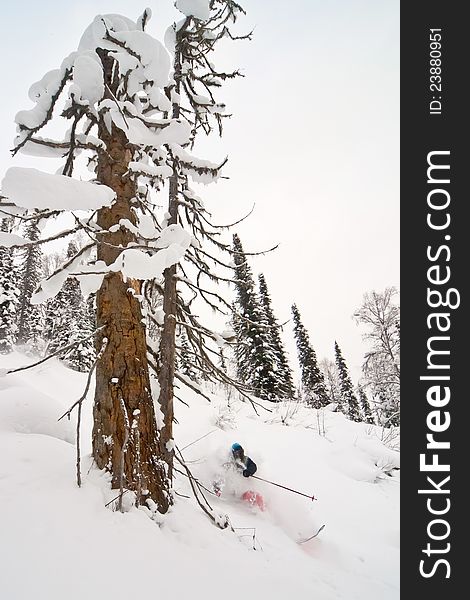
(58, 541)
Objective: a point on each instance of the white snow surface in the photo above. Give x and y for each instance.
(30, 188)
(153, 55)
(95, 33)
(59, 540)
(88, 81)
(196, 8)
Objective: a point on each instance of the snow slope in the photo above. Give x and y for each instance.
(58, 541)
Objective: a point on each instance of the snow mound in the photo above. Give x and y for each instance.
(27, 411)
(47, 520)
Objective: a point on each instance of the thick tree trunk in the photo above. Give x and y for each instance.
(122, 375)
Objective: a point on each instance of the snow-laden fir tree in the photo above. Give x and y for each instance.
(9, 294)
(254, 352)
(332, 383)
(68, 322)
(281, 366)
(30, 315)
(366, 411)
(312, 379)
(347, 388)
(85, 353)
(186, 358)
(381, 368)
(133, 124)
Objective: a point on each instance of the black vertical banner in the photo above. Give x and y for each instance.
(434, 296)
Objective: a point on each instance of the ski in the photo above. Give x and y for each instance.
(311, 537)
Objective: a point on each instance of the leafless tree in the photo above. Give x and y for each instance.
(332, 381)
(381, 368)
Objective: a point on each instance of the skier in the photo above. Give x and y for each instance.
(243, 463)
(238, 462)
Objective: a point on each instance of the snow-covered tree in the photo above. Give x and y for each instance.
(133, 125)
(253, 351)
(285, 385)
(366, 411)
(381, 367)
(312, 379)
(332, 382)
(68, 322)
(83, 355)
(113, 99)
(30, 315)
(186, 360)
(347, 388)
(9, 294)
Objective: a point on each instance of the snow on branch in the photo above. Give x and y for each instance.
(56, 353)
(200, 9)
(202, 171)
(30, 188)
(49, 287)
(145, 132)
(45, 94)
(11, 240)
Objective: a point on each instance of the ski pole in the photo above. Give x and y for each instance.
(284, 487)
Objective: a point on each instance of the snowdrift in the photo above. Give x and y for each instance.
(61, 541)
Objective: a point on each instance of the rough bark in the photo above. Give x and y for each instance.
(125, 357)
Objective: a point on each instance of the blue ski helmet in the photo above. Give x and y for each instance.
(236, 447)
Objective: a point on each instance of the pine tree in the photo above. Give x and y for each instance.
(84, 354)
(186, 358)
(68, 322)
(29, 315)
(367, 415)
(347, 389)
(387, 407)
(312, 379)
(8, 296)
(281, 366)
(253, 350)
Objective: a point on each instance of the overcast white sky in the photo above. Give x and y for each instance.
(313, 141)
